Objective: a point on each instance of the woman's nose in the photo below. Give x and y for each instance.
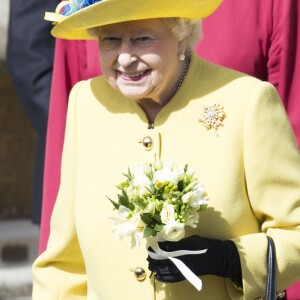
(126, 55)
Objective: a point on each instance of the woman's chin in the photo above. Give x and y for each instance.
(134, 93)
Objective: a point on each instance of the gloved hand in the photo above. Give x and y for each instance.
(220, 259)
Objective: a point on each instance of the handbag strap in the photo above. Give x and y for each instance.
(271, 271)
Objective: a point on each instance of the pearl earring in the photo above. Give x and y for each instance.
(182, 56)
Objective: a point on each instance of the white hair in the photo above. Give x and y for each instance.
(190, 29)
(182, 28)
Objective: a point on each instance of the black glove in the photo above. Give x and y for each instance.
(221, 259)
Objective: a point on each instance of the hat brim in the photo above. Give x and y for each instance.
(74, 27)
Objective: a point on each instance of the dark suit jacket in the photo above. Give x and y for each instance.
(30, 60)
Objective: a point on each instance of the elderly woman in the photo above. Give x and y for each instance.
(157, 99)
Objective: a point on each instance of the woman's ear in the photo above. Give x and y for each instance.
(182, 46)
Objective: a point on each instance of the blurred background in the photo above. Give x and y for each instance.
(18, 235)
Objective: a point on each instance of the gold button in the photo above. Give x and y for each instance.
(147, 143)
(140, 273)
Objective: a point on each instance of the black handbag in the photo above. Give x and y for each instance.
(271, 271)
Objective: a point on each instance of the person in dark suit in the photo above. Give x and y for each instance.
(30, 62)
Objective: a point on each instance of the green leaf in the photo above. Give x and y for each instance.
(140, 203)
(149, 231)
(123, 201)
(125, 195)
(128, 175)
(158, 227)
(122, 185)
(115, 204)
(157, 218)
(147, 218)
(180, 185)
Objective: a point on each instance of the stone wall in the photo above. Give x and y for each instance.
(17, 149)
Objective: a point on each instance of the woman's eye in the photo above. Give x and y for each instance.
(143, 38)
(111, 39)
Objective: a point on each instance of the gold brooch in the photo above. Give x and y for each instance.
(212, 117)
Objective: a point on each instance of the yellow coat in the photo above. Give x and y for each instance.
(250, 169)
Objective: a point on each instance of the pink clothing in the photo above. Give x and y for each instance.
(258, 37)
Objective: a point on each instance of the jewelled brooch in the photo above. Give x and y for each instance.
(212, 117)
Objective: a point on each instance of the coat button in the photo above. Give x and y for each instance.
(147, 143)
(140, 273)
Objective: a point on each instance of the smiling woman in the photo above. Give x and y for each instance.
(137, 58)
(140, 59)
(158, 101)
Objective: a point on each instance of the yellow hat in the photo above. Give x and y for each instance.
(84, 14)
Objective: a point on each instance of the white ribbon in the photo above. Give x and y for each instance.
(185, 271)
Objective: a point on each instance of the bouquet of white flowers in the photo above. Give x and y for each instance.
(158, 200)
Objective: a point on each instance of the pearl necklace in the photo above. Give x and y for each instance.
(186, 65)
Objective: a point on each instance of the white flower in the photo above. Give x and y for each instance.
(147, 169)
(127, 227)
(191, 186)
(195, 198)
(132, 192)
(186, 198)
(199, 187)
(167, 173)
(136, 221)
(158, 164)
(140, 179)
(190, 171)
(178, 173)
(173, 231)
(195, 217)
(150, 208)
(195, 201)
(120, 228)
(142, 191)
(124, 212)
(167, 214)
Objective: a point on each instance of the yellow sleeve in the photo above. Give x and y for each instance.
(59, 273)
(272, 171)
